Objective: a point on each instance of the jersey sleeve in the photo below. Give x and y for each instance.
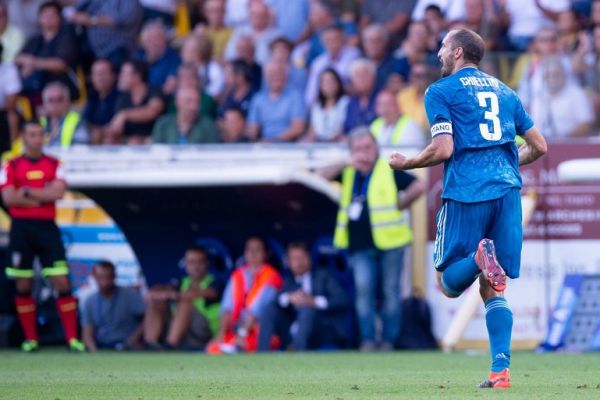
(7, 176)
(59, 173)
(523, 121)
(438, 112)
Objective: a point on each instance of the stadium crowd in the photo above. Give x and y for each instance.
(208, 71)
(106, 72)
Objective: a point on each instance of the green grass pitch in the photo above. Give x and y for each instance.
(53, 374)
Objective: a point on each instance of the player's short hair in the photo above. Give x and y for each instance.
(358, 133)
(472, 44)
(297, 245)
(362, 63)
(378, 29)
(53, 4)
(197, 249)
(105, 264)
(56, 85)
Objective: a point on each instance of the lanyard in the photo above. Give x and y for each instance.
(363, 189)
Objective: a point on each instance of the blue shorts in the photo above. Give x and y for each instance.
(460, 227)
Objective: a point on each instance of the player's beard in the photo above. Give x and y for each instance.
(447, 66)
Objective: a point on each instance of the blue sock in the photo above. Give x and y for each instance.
(499, 321)
(460, 275)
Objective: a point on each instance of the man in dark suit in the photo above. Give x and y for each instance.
(309, 311)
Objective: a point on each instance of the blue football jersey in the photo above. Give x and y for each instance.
(484, 116)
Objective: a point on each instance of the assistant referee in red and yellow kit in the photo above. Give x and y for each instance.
(31, 184)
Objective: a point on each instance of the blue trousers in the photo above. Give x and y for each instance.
(375, 269)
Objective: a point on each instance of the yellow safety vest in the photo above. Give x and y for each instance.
(388, 226)
(377, 126)
(67, 131)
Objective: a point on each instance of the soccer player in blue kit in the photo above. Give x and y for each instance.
(474, 121)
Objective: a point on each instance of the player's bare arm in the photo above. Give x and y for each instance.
(535, 146)
(13, 197)
(439, 150)
(412, 193)
(52, 192)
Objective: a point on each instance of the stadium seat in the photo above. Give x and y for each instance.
(219, 255)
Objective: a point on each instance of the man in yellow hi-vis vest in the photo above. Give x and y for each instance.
(373, 228)
(63, 127)
(392, 128)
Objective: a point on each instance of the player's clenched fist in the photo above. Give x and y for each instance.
(398, 161)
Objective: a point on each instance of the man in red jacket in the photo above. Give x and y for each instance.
(30, 186)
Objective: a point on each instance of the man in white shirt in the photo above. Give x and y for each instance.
(392, 128)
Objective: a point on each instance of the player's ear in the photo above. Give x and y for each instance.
(458, 52)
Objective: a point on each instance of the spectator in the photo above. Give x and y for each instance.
(276, 114)
(11, 37)
(197, 51)
(10, 86)
(236, 13)
(238, 87)
(453, 10)
(528, 66)
(481, 18)
(337, 56)
(291, 17)
(259, 30)
(361, 108)
(436, 24)
(391, 15)
(233, 126)
(392, 127)
(375, 44)
(415, 48)
(102, 101)
(162, 60)
(112, 316)
(410, 99)
(23, 15)
(250, 289)
(187, 126)
(328, 112)
(563, 109)
(163, 10)
(372, 227)
(281, 51)
(568, 31)
(525, 18)
(313, 300)
(62, 126)
(218, 33)
(187, 77)
(48, 56)
(138, 106)
(195, 315)
(586, 62)
(110, 26)
(319, 18)
(245, 51)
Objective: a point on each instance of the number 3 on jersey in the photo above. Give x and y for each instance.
(491, 114)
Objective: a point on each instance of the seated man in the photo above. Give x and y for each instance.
(277, 114)
(138, 106)
(311, 300)
(48, 56)
(187, 125)
(62, 126)
(101, 105)
(251, 288)
(111, 317)
(194, 317)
